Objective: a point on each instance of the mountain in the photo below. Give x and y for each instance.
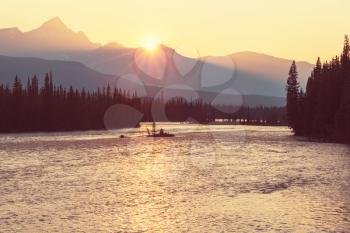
(248, 73)
(266, 72)
(51, 38)
(65, 73)
(253, 73)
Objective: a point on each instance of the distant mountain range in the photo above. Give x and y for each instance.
(52, 37)
(75, 60)
(65, 73)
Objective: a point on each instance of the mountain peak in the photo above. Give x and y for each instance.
(54, 23)
(54, 35)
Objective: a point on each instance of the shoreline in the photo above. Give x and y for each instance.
(102, 130)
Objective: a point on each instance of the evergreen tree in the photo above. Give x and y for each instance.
(53, 108)
(324, 110)
(292, 89)
(343, 114)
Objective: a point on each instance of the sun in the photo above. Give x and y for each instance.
(150, 43)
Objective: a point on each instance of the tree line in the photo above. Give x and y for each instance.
(32, 107)
(323, 110)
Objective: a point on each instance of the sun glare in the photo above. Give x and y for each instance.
(150, 43)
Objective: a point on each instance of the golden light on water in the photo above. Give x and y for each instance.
(97, 182)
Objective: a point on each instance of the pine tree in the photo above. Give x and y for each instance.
(324, 111)
(54, 108)
(292, 89)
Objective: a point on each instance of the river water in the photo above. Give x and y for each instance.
(206, 179)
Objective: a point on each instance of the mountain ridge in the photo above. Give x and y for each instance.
(51, 36)
(253, 73)
(77, 75)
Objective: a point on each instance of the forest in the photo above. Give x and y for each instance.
(33, 108)
(322, 111)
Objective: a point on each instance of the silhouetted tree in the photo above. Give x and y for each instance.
(324, 110)
(32, 108)
(292, 89)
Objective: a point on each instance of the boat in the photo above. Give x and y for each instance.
(160, 134)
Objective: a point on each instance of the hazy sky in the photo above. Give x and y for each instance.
(299, 29)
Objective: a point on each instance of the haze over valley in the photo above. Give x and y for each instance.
(74, 60)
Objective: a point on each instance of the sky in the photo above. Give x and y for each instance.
(298, 29)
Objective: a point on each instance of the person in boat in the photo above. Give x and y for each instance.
(153, 132)
(161, 131)
(154, 128)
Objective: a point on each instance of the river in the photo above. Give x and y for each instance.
(216, 178)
